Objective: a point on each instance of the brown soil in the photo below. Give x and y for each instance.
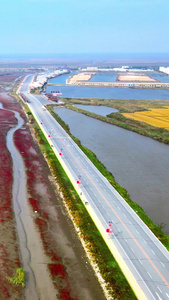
(86, 76)
(70, 270)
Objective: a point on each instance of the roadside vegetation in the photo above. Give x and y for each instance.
(41, 198)
(118, 119)
(117, 285)
(116, 282)
(156, 229)
(35, 91)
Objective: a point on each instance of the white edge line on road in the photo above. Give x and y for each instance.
(134, 284)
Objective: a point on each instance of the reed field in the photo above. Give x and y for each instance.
(153, 120)
(158, 117)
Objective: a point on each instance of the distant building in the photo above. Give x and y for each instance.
(53, 95)
(164, 70)
(125, 67)
(122, 69)
(91, 69)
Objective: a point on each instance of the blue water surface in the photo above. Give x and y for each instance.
(111, 93)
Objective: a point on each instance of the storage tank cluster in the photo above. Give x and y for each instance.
(41, 79)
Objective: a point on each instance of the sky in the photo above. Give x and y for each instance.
(84, 26)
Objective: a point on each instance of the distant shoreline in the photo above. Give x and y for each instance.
(141, 85)
(105, 59)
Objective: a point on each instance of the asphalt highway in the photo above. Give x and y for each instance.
(141, 254)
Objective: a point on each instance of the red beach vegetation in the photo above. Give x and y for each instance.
(9, 255)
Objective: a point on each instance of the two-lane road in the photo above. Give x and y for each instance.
(142, 257)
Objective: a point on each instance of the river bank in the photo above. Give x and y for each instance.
(67, 263)
(9, 251)
(119, 84)
(129, 157)
(125, 107)
(34, 261)
(38, 282)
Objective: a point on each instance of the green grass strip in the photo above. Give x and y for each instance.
(117, 284)
(156, 229)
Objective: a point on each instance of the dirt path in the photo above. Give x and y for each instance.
(38, 281)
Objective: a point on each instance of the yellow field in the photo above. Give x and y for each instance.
(158, 117)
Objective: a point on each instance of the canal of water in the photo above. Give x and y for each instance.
(100, 110)
(138, 163)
